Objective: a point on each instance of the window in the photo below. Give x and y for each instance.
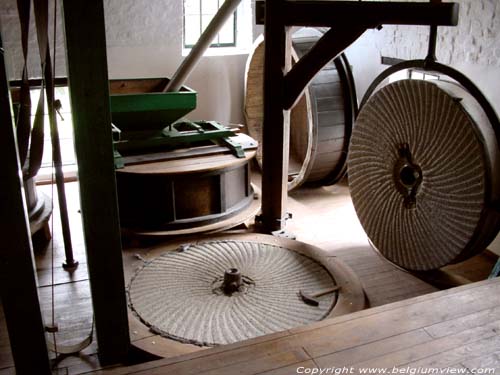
(65, 127)
(412, 74)
(197, 16)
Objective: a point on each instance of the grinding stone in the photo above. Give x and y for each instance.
(448, 147)
(177, 294)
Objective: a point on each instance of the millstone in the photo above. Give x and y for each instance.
(221, 292)
(420, 175)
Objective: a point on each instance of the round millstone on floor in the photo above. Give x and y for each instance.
(220, 292)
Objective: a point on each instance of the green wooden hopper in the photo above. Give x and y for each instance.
(140, 105)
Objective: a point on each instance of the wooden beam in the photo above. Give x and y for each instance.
(275, 137)
(18, 285)
(321, 13)
(325, 50)
(282, 88)
(89, 90)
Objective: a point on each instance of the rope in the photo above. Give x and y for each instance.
(53, 305)
(52, 192)
(58, 349)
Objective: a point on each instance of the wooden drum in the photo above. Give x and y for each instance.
(185, 196)
(321, 121)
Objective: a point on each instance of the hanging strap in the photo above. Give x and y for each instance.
(41, 8)
(72, 349)
(42, 20)
(23, 125)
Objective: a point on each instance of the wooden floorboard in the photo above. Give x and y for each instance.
(325, 218)
(392, 336)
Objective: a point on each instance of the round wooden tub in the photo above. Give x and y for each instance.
(320, 123)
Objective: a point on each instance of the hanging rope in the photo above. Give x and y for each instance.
(36, 147)
(61, 349)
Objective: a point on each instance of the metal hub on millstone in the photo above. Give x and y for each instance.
(221, 292)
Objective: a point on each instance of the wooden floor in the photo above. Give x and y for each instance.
(454, 329)
(323, 216)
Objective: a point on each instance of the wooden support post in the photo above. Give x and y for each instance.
(18, 286)
(275, 139)
(89, 90)
(282, 89)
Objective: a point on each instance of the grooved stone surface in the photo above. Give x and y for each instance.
(443, 141)
(176, 293)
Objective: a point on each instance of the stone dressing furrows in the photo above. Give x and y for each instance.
(421, 176)
(180, 295)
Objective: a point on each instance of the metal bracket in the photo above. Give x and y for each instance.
(188, 132)
(282, 233)
(235, 147)
(118, 160)
(116, 133)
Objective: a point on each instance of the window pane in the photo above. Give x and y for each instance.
(205, 20)
(226, 34)
(191, 29)
(62, 93)
(209, 7)
(197, 17)
(191, 7)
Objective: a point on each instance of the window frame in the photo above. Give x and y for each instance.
(200, 14)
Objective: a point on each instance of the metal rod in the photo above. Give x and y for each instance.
(201, 45)
(431, 52)
(70, 264)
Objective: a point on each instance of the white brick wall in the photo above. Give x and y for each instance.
(474, 41)
(144, 39)
(473, 47)
(11, 37)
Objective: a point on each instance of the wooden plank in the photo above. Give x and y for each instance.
(265, 362)
(275, 132)
(18, 288)
(340, 13)
(328, 47)
(488, 361)
(337, 337)
(201, 355)
(341, 336)
(437, 353)
(161, 347)
(372, 350)
(301, 367)
(471, 351)
(484, 288)
(453, 326)
(88, 78)
(358, 339)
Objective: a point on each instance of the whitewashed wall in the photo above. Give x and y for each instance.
(144, 39)
(472, 47)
